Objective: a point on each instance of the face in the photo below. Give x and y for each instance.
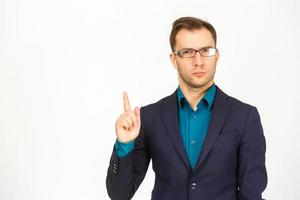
(197, 72)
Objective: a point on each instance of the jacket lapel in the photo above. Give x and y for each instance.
(170, 116)
(220, 111)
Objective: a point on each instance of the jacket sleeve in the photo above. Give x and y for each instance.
(125, 174)
(252, 174)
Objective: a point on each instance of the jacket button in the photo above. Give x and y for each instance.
(115, 168)
(193, 186)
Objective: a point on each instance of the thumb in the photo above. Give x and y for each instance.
(137, 112)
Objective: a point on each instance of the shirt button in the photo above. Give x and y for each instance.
(194, 116)
(193, 141)
(193, 186)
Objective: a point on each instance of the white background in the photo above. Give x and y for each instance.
(65, 63)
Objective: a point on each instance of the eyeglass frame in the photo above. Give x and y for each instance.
(196, 50)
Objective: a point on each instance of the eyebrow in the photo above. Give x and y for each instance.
(209, 46)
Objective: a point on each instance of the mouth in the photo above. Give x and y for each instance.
(199, 74)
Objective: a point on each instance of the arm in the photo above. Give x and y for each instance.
(125, 174)
(252, 174)
(129, 163)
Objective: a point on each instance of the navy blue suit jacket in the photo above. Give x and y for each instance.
(231, 165)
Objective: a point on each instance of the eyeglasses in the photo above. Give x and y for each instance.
(190, 53)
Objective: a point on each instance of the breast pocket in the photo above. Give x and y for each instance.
(228, 135)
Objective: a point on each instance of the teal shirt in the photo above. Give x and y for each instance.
(193, 126)
(122, 149)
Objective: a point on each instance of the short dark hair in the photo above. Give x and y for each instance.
(190, 23)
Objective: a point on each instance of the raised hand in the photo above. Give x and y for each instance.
(128, 124)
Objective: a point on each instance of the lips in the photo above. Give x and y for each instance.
(199, 74)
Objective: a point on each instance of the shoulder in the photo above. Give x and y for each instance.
(235, 102)
(239, 109)
(157, 106)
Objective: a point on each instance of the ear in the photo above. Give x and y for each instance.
(217, 57)
(173, 60)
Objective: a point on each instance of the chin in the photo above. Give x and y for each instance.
(199, 85)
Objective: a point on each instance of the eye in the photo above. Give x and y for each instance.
(205, 50)
(208, 51)
(187, 51)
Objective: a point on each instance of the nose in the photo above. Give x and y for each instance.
(198, 59)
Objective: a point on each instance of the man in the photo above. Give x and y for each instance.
(204, 144)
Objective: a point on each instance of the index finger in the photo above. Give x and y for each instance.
(126, 102)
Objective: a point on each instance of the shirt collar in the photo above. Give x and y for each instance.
(209, 97)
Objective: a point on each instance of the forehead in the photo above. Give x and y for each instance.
(194, 38)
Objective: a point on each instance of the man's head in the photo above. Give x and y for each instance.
(194, 53)
(190, 23)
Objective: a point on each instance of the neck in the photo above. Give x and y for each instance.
(194, 95)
